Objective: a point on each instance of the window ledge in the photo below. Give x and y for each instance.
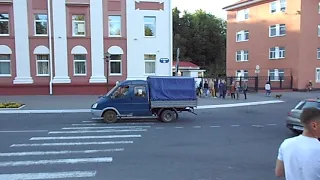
(149, 36)
(80, 75)
(114, 36)
(5, 75)
(114, 74)
(42, 75)
(243, 61)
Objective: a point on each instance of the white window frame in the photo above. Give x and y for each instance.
(6, 20)
(278, 52)
(277, 27)
(45, 61)
(317, 75)
(319, 30)
(40, 21)
(6, 61)
(276, 74)
(243, 73)
(74, 22)
(319, 8)
(147, 23)
(318, 53)
(115, 74)
(244, 56)
(150, 60)
(74, 65)
(242, 15)
(278, 6)
(110, 22)
(242, 35)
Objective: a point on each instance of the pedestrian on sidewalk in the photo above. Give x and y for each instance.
(267, 87)
(245, 89)
(238, 88)
(211, 87)
(215, 88)
(233, 90)
(206, 88)
(298, 157)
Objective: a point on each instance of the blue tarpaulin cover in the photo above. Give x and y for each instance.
(171, 88)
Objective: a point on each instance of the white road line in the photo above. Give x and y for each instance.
(83, 137)
(105, 127)
(56, 161)
(49, 175)
(196, 126)
(42, 153)
(271, 124)
(239, 104)
(257, 126)
(96, 131)
(178, 127)
(140, 123)
(45, 111)
(215, 126)
(72, 144)
(89, 121)
(159, 127)
(24, 131)
(235, 125)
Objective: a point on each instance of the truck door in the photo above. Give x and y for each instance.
(121, 100)
(140, 101)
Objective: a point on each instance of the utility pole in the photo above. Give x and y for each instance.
(177, 63)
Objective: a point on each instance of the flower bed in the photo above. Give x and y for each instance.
(10, 105)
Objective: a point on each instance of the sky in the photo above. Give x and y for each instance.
(211, 6)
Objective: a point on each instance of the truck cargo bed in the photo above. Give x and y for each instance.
(173, 104)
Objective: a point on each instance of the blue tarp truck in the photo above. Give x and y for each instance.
(158, 96)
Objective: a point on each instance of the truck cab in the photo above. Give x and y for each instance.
(132, 98)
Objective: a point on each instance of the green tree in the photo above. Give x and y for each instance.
(201, 38)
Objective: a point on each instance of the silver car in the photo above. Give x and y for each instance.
(293, 119)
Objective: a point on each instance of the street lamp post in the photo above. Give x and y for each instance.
(107, 58)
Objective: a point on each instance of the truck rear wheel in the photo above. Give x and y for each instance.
(168, 116)
(110, 116)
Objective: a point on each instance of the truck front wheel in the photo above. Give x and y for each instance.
(168, 116)
(110, 116)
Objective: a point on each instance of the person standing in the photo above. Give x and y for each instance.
(298, 157)
(245, 89)
(206, 88)
(215, 87)
(233, 90)
(211, 87)
(237, 89)
(267, 87)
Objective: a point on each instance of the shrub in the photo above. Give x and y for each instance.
(10, 105)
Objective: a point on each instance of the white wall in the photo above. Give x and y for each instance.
(138, 45)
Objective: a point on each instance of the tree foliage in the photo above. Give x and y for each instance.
(201, 38)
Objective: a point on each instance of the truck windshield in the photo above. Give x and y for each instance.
(111, 90)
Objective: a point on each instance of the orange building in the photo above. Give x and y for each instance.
(278, 39)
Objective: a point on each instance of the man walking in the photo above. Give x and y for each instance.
(298, 157)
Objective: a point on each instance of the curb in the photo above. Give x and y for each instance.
(61, 111)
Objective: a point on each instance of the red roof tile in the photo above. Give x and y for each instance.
(185, 64)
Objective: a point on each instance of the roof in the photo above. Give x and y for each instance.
(132, 82)
(185, 64)
(241, 4)
(313, 99)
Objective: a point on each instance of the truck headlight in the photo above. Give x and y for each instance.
(94, 105)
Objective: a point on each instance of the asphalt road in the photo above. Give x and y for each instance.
(219, 144)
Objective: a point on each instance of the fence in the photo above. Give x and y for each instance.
(256, 83)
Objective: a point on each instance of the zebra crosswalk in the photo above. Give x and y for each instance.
(85, 143)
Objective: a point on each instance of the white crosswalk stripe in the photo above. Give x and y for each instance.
(86, 134)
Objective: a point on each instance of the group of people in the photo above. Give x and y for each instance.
(219, 86)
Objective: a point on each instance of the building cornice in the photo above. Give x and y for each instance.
(241, 4)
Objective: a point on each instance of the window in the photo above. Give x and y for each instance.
(78, 25)
(243, 35)
(318, 53)
(244, 74)
(80, 64)
(115, 65)
(275, 74)
(242, 55)
(140, 91)
(317, 75)
(5, 65)
(150, 26)
(4, 24)
(40, 24)
(150, 63)
(114, 26)
(277, 30)
(42, 65)
(307, 104)
(278, 6)
(319, 7)
(277, 52)
(318, 30)
(242, 15)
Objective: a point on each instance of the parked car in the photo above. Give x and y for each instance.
(293, 119)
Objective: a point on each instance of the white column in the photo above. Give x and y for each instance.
(21, 33)
(60, 42)
(97, 46)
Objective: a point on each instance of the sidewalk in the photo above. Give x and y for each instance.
(85, 101)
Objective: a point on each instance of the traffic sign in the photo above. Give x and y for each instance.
(164, 60)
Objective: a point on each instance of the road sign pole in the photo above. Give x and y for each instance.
(177, 63)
